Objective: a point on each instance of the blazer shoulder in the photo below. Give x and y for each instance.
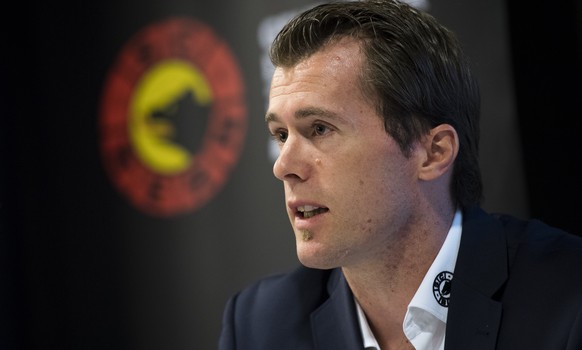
(301, 289)
(274, 312)
(545, 253)
(539, 234)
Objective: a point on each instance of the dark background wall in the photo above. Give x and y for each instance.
(546, 47)
(82, 267)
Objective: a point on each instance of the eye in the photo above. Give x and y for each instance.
(280, 136)
(320, 129)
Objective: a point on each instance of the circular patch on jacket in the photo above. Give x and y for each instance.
(441, 288)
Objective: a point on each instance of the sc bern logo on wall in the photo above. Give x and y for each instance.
(173, 117)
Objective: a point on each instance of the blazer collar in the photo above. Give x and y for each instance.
(334, 323)
(481, 270)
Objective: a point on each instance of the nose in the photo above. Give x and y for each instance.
(291, 165)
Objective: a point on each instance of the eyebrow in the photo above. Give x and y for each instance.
(304, 113)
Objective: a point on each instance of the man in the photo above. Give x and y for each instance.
(376, 114)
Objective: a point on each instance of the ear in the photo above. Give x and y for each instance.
(441, 146)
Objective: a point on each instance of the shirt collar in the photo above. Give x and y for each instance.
(426, 317)
(433, 293)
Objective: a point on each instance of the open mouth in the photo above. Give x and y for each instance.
(309, 211)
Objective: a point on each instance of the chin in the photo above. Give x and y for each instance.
(314, 258)
(315, 265)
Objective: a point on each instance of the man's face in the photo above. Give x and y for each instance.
(348, 188)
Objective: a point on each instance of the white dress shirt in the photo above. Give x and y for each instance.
(426, 317)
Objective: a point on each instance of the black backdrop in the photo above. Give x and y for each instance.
(546, 43)
(83, 268)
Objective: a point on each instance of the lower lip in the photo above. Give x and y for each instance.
(302, 223)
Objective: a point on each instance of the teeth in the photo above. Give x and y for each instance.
(309, 211)
(305, 208)
(309, 214)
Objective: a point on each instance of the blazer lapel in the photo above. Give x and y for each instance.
(481, 270)
(334, 323)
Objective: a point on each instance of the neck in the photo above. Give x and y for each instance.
(384, 287)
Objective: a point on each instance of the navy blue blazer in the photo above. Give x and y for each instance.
(517, 285)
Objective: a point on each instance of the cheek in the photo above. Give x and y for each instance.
(369, 174)
(381, 182)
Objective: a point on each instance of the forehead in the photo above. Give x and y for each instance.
(329, 76)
